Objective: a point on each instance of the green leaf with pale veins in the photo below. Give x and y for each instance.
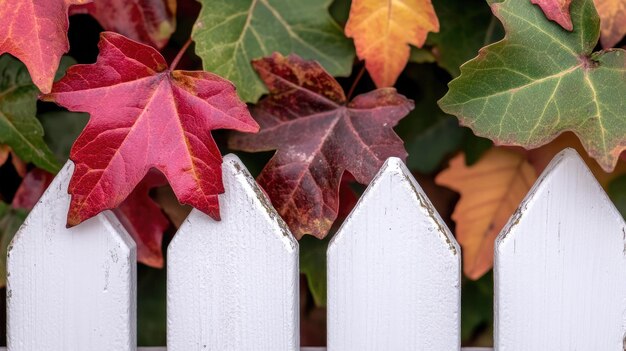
(542, 80)
(19, 127)
(229, 34)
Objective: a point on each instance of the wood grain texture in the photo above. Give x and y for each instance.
(560, 266)
(394, 272)
(233, 285)
(70, 289)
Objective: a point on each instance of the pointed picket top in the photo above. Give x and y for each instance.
(70, 289)
(560, 266)
(394, 271)
(233, 284)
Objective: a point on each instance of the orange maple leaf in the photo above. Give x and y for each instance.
(382, 31)
(491, 190)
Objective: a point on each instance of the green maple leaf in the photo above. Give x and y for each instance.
(19, 127)
(542, 80)
(229, 34)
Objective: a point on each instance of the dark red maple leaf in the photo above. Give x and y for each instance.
(32, 187)
(145, 115)
(318, 135)
(35, 31)
(148, 21)
(347, 197)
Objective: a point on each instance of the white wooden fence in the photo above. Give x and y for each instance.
(394, 274)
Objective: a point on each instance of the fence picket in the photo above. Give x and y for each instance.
(394, 272)
(233, 285)
(560, 268)
(70, 289)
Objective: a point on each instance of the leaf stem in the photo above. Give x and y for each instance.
(356, 81)
(180, 54)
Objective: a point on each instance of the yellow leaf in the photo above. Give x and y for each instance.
(491, 190)
(612, 21)
(382, 31)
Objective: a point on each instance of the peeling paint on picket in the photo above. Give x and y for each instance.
(394, 274)
(560, 266)
(70, 289)
(394, 280)
(233, 285)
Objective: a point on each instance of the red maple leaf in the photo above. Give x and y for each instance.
(557, 11)
(144, 220)
(148, 21)
(145, 115)
(318, 135)
(140, 215)
(35, 31)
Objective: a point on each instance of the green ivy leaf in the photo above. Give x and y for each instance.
(542, 80)
(19, 127)
(465, 27)
(229, 34)
(10, 221)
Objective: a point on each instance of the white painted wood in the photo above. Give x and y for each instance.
(302, 349)
(394, 272)
(232, 285)
(70, 289)
(560, 266)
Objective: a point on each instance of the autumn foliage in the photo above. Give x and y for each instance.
(145, 96)
(154, 117)
(302, 178)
